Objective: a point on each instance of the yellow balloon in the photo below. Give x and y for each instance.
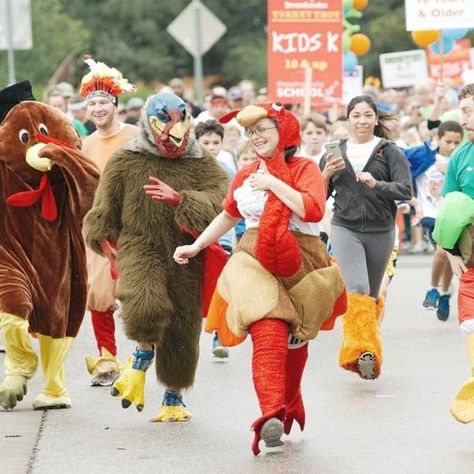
(425, 38)
(360, 44)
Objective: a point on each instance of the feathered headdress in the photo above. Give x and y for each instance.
(103, 80)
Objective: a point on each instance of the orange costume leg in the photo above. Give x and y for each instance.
(295, 363)
(270, 347)
(361, 349)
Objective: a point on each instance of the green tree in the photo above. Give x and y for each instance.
(136, 41)
(55, 35)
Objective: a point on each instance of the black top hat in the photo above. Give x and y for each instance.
(13, 95)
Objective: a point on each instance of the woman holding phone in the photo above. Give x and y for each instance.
(367, 173)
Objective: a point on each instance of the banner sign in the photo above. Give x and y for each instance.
(438, 14)
(302, 35)
(455, 62)
(352, 84)
(404, 68)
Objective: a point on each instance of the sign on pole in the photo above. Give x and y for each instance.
(403, 68)
(197, 29)
(352, 84)
(455, 62)
(438, 15)
(20, 24)
(304, 35)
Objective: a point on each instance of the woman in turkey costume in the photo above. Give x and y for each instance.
(280, 270)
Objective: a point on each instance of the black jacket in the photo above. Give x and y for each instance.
(359, 208)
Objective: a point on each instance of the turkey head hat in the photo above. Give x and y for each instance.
(276, 247)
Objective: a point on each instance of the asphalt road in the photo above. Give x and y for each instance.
(399, 423)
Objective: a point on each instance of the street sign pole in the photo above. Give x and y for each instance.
(11, 54)
(198, 56)
(197, 29)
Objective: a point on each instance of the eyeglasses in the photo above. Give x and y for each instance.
(260, 131)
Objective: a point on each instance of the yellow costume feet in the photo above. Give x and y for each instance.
(104, 369)
(21, 361)
(130, 387)
(172, 408)
(171, 414)
(12, 390)
(463, 404)
(48, 402)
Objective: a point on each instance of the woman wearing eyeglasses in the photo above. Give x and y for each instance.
(279, 272)
(367, 179)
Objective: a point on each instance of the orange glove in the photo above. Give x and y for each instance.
(160, 191)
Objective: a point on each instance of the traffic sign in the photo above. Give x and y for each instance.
(195, 21)
(19, 27)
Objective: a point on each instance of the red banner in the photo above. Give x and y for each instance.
(454, 63)
(305, 40)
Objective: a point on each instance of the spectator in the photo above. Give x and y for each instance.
(134, 109)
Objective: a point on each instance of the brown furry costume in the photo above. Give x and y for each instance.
(42, 254)
(161, 301)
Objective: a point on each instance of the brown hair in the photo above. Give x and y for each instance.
(209, 126)
(466, 92)
(381, 129)
(317, 120)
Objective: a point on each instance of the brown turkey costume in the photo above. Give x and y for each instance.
(47, 186)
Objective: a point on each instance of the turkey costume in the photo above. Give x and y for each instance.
(160, 301)
(47, 186)
(454, 231)
(280, 286)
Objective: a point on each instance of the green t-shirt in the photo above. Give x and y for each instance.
(460, 172)
(80, 127)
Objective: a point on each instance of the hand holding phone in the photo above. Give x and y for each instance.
(334, 161)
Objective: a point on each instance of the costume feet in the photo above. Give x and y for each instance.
(361, 350)
(463, 405)
(104, 369)
(295, 412)
(12, 390)
(271, 433)
(366, 366)
(130, 387)
(268, 428)
(48, 402)
(218, 350)
(172, 408)
(105, 380)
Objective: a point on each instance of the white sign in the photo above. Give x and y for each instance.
(20, 13)
(196, 19)
(439, 14)
(352, 84)
(404, 68)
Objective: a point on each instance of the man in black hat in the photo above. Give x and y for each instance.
(13, 95)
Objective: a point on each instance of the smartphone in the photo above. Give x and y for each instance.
(335, 149)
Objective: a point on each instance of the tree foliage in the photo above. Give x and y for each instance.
(55, 36)
(132, 36)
